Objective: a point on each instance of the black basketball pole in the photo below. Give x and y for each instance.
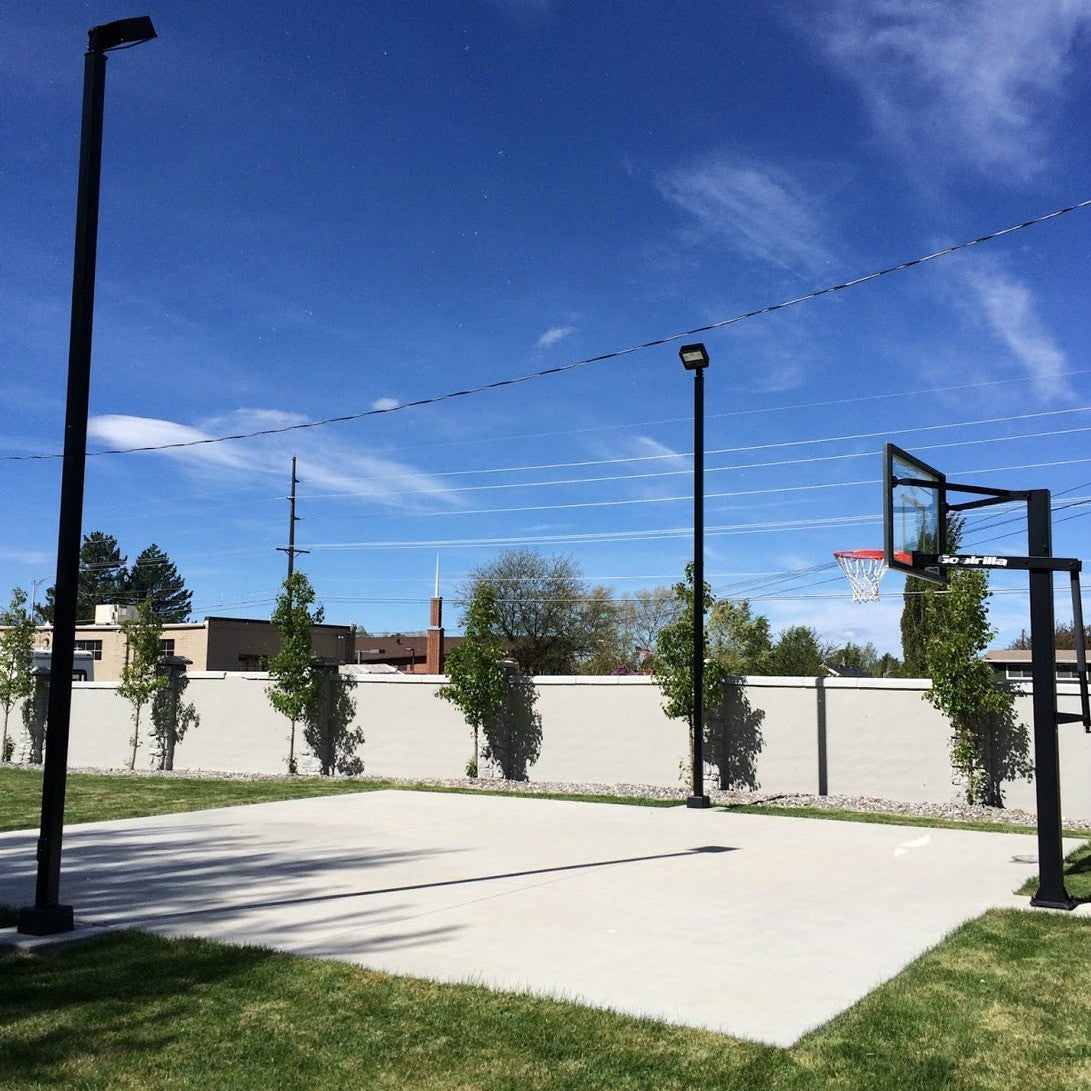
(1051, 892)
(695, 358)
(47, 916)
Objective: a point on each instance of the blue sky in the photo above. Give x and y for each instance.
(315, 211)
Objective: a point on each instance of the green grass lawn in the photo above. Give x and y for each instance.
(93, 797)
(1001, 1003)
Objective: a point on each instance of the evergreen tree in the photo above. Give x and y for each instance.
(103, 578)
(798, 652)
(153, 575)
(106, 579)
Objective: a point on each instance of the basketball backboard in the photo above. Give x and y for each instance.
(914, 514)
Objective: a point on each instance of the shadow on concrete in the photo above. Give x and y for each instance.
(159, 872)
(314, 899)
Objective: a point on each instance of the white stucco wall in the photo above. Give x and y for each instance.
(867, 737)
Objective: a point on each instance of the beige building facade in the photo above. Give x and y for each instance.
(215, 644)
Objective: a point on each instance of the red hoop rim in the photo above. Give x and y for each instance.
(870, 555)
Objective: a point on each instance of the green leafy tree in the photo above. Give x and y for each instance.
(154, 575)
(477, 681)
(673, 664)
(628, 642)
(798, 652)
(140, 678)
(918, 599)
(549, 620)
(292, 669)
(988, 746)
(16, 660)
(738, 639)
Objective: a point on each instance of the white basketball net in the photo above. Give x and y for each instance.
(864, 569)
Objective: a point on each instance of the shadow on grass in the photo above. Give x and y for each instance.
(109, 996)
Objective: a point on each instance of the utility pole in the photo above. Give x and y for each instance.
(292, 520)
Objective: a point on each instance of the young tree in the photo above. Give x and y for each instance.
(987, 745)
(477, 682)
(548, 619)
(153, 575)
(292, 669)
(140, 678)
(673, 664)
(16, 660)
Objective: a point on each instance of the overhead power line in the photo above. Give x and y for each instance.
(560, 369)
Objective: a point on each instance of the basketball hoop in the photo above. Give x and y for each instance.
(864, 568)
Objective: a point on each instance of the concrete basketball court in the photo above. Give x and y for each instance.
(756, 926)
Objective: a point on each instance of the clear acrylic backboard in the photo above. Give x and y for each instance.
(914, 514)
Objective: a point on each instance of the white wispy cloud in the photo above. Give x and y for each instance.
(975, 82)
(1008, 308)
(328, 464)
(385, 403)
(555, 334)
(759, 209)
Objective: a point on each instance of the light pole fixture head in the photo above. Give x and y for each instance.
(693, 357)
(121, 32)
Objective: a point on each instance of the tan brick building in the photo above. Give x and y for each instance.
(215, 644)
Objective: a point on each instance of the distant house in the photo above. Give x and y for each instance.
(215, 644)
(843, 670)
(1014, 663)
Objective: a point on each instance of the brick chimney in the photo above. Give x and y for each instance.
(433, 663)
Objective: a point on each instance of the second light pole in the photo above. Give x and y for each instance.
(695, 358)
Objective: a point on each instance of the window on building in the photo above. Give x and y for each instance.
(166, 646)
(250, 661)
(92, 646)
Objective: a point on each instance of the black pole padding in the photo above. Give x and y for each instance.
(1051, 891)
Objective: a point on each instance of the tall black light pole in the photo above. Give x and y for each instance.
(47, 915)
(695, 358)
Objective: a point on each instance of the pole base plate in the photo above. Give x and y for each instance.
(698, 802)
(1065, 901)
(45, 922)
